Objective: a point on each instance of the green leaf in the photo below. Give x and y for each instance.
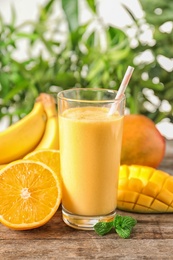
(96, 67)
(65, 80)
(130, 13)
(49, 5)
(124, 221)
(13, 15)
(4, 81)
(31, 36)
(92, 5)
(123, 225)
(89, 42)
(102, 228)
(71, 11)
(117, 55)
(124, 233)
(45, 11)
(169, 92)
(149, 84)
(116, 37)
(18, 88)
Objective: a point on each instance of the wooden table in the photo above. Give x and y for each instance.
(152, 237)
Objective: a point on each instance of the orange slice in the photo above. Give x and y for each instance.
(30, 194)
(50, 157)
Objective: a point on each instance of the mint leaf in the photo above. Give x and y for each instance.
(102, 228)
(124, 233)
(124, 221)
(123, 225)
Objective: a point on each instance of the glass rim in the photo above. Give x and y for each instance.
(112, 100)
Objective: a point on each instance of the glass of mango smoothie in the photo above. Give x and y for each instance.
(90, 147)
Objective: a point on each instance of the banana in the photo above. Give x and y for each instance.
(23, 136)
(50, 139)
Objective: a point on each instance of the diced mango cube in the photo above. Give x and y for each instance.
(134, 171)
(142, 209)
(165, 196)
(145, 174)
(144, 200)
(135, 185)
(127, 196)
(159, 206)
(171, 205)
(169, 184)
(170, 209)
(123, 184)
(127, 206)
(124, 171)
(151, 189)
(159, 177)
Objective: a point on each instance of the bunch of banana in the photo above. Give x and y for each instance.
(37, 130)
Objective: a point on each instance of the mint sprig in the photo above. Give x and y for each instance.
(122, 225)
(102, 228)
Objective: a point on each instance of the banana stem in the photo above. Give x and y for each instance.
(49, 104)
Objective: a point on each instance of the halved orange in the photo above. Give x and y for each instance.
(30, 194)
(2, 166)
(50, 157)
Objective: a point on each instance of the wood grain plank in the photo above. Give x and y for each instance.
(149, 226)
(87, 249)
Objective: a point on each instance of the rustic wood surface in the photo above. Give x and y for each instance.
(152, 237)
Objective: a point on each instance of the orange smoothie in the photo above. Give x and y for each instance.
(90, 146)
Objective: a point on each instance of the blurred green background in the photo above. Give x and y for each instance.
(90, 54)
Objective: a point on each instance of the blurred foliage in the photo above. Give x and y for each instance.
(94, 54)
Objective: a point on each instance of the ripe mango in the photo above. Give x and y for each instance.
(145, 190)
(142, 143)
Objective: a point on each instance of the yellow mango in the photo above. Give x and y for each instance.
(159, 177)
(170, 209)
(127, 206)
(165, 196)
(144, 200)
(144, 189)
(134, 172)
(128, 196)
(168, 184)
(123, 182)
(151, 189)
(142, 209)
(135, 185)
(159, 206)
(145, 173)
(124, 171)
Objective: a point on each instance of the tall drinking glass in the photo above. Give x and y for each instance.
(90, 147)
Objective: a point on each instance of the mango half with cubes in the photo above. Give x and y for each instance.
(145, 190)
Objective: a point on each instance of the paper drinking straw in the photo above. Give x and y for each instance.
(122, 88)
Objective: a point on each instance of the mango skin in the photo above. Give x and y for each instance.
(144, 189)
(142, 143)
